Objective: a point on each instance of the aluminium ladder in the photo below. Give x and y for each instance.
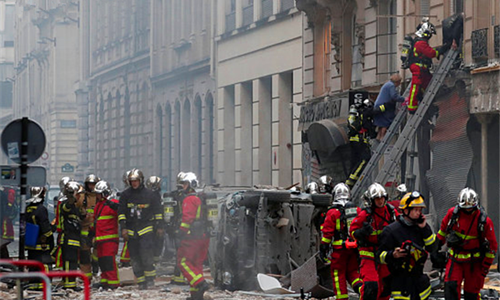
(408, 131)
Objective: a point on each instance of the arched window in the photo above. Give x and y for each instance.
(177, 137)
(387, 51)
(167, 147)
(357, 57)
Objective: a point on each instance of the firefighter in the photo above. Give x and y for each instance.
(404, 247)
(194, 240)
(401, 190)
(178, 196)
(360, 129)
(106, 235)
(470, 236)
(8, 213)
(138, 215)
(58, 222)
(325, 184)
(154, 184)
(73, 213)
(125, 255)
(421, 62)
(312, 188)
(336, 245)
(366, 229)
(88, 258)
(37, 214)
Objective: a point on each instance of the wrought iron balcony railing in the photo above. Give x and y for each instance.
(497, 41)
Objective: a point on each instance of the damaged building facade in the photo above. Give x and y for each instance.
(353, 46)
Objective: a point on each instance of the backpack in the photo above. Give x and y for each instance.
(407, 55)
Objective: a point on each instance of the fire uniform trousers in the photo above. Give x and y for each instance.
(139, 212)
(360, 147)
(107, 239)
(470, 261)
(343, 260)
(408, 281)
(423, 54)
(37, 214)
(374, 275)
(8, 209)
(194, 243)
(88, 233)
(158, 240)
(57, 252)
(71, 227)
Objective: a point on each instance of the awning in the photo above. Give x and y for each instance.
(327, 135)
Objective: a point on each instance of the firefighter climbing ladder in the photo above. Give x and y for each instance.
(408, 132)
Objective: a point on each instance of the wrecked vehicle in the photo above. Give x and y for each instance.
(265, 231)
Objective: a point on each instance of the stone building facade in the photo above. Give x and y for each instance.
(183, 86)
(358, 49)
(46, 69)
(114, 91)
(259, 82)
(7, 33)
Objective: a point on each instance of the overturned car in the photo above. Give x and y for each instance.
(265, 231)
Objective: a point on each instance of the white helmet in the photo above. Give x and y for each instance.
(325, 184)
(188, 177)
(425, 29)
(375, 190)
(341, 194)
(125, 178)
(154, 183)
(468, 198)
(402, 188)
(136, 174)
(103, 188)
(312, 188)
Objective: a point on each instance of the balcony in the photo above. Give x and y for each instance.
(248, 15)
(287, 4)
(480, 44)
(497, 41)
(267, 8)
(230, 21)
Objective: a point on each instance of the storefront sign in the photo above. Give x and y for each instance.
(316, 111)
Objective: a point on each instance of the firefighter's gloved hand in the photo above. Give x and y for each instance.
(324, 251)
(485, 268)
(366, 230)
(438, 259)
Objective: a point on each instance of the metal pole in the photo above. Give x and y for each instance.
(30, 275)
(24, 171)
(410, 176)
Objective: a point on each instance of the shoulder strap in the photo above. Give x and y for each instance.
(453, 219)
(392, 214)
(481, 222)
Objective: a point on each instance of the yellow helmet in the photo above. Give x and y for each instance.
(412, 200)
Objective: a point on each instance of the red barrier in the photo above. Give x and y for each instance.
(54, 274)
(86, 281)
(28, 264)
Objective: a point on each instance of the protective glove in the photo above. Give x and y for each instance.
(438, 259)
(485, 268)
(367, 229)
(324, 252)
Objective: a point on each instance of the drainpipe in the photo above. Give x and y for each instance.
(484, 119)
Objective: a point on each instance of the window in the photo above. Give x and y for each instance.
(8, 35)
(322, 50)
(457, 6)
(387, 40)
(357, 57)
(68, 123)
(425, 7)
